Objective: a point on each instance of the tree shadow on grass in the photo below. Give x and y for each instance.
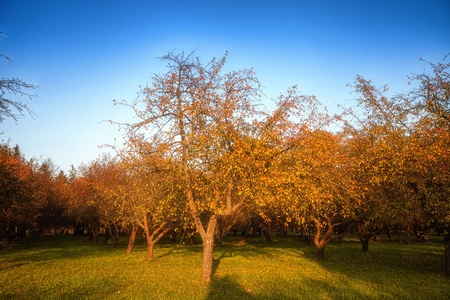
(231, 250)
(9, 266)
(349, 272)
(379, 259)
(227, 288)
(387, 270)
(46, 248)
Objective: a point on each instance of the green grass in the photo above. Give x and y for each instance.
(65, 267)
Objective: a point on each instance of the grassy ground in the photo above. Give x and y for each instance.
(66, 267)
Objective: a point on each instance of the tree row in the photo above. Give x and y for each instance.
(203, 155)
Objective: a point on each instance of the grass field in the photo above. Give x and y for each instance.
(66, 267)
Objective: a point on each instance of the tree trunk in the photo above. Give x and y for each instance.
(94, 232)
(95, 236)
(447, 254)
(173, 236)
(114, 234)
(388, 232)
(308, 237)
(78, 230)
(134, 231)
(418, 235)
(365, 235)
(150, 250)
(408, 232)
(219, 240)
(267, 236)
(365, 243)
(106, 238)
(307, 241)
(208, 248)
(320, 253)
(151, 241)
(224, 225)
(192, 239)
(321, 243)
(219, 236)
(208, 255)
(243, 236)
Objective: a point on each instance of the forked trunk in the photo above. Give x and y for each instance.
(150, 236)
(322, 242)
(149, 239)
(154, 240)
(208, 248)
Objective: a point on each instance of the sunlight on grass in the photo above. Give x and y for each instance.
(74, 268)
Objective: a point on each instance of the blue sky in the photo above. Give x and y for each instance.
(84, 54)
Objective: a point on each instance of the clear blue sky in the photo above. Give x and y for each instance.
(84, 54)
